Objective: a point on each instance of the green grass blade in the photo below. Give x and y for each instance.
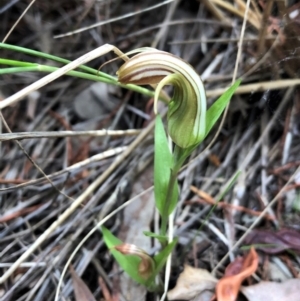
(220, 197)
(14, 70)
(27, 66)
(16, 63)
(49, 69)
(229, 186)
(52, 58)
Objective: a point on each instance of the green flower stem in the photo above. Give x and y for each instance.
(165, 215)
(179, 156)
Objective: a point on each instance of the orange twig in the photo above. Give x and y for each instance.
(207, 199)
(8, 217)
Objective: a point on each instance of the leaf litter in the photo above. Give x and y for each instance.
(260, 139)
(193, 283)
(81, 291)
(273, 242)
(236, 272)
(288, 290)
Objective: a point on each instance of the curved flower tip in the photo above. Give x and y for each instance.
(187, 108)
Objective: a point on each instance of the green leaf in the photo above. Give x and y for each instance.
(215, 111)
(220, 197)
(161, 258)
(162, 164)
(16, 63)
(129, 263)
(161, 238)
(174, 199)
(232, 180)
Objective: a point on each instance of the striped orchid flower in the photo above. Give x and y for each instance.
(187, 108)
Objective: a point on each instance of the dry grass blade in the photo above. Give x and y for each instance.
(113, 20)
(77, 202)
(63, 134)
(271, 203)
(264, 28)
(77, 166)
(215, 11)
(258, 87)
(18, 21)
(56, 74)
(232, 9)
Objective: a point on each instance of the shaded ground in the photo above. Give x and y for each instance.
(260, 138)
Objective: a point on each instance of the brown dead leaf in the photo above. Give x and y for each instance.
(228, 287)
(191, 284)
(275, 242)
(81, 291)
(214, 159)
(105, 291)
(272, 291)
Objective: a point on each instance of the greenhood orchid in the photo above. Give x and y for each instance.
(187, 108)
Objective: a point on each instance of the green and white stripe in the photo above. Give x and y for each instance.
(187, 108)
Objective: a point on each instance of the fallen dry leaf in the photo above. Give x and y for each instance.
(275, 242)
(228, 287)
(81, 291)
(105, 291)
(191, 284)
(288, 290)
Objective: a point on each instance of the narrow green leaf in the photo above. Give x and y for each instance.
(103, 77)
(161, 238)
(53, 58)
(220, 197)
(215, 111)
(162, 164)
(16, 63)
(14, 70)
(129, 263)
(161, 258)
(229, 186)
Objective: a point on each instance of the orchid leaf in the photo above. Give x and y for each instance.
(162, 164)
(215, 111)
(129, 263)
